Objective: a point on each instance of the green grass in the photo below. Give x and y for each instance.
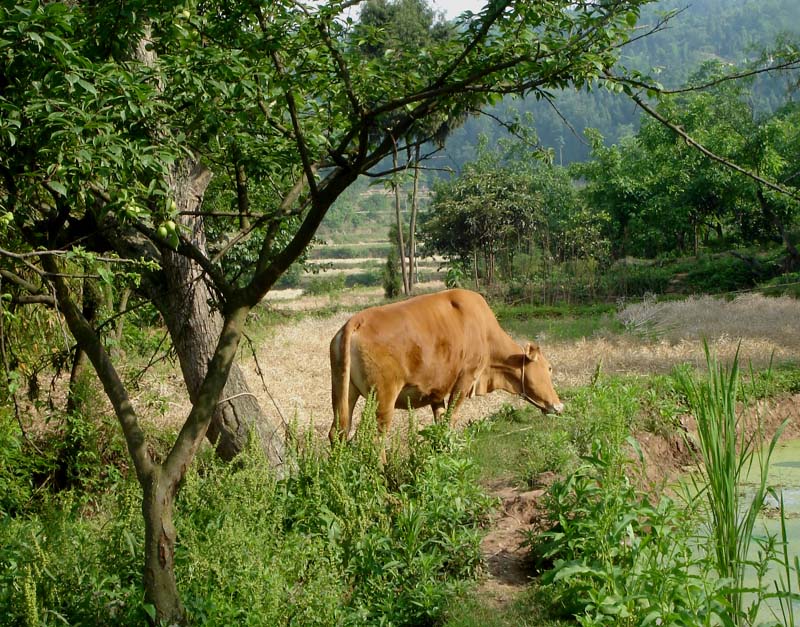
(532, 608)
(518, 445)
(616, 554)
(341, 540)
(558, 322)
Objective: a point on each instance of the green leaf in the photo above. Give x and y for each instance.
(150, 610)
(87, 86)
(57, 187)
(106, 275)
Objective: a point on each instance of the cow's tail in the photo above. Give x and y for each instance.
(340, 383)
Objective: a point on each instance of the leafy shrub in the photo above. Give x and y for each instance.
(350, 252)
(606, 412)
(341, 540)
(292, 277)
(391, 278)
(70, 568)
(546, 451)
(321, 285)
(614, 558)
(367, 278)
(20, 466)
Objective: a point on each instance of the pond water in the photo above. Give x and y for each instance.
(784, 476)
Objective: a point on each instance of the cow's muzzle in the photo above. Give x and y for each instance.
(547, 408)
(558, 408)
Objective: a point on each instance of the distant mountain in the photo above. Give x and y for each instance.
(729, 30)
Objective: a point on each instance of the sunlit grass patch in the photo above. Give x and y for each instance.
(564, 322)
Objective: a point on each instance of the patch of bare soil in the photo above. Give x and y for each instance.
(507, 569)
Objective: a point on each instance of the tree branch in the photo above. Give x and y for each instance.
(112, 384)
(792, 64)
(708, 153)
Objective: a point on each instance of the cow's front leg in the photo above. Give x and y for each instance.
(438, 411)
(461, 389)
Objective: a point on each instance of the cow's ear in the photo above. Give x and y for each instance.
(532, 351)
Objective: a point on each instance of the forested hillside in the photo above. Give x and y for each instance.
(733, 31)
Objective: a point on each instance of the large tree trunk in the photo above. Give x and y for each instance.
(184, 301)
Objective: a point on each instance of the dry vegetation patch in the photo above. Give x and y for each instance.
(293, 356)
(663, 334)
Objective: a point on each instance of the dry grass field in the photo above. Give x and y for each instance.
(293, 357)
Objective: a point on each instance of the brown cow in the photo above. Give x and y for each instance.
(427, 350)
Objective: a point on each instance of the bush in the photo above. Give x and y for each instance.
(20, 466)
(613, 557)
(391, 277)
(341, 540)
(321, 285)
(546, 451)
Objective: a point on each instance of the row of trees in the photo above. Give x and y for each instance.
(663, 196)
(651, 194)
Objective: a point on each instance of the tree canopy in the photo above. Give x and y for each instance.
(665, 196)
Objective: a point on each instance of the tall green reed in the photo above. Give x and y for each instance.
(728, 456)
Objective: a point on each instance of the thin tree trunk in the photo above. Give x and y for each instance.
(123, 305)
(475, 267)
(412, 226)
(400, 243)
(91, 303)
(160, 482)
(793, 261)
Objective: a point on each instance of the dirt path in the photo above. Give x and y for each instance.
(505, 557)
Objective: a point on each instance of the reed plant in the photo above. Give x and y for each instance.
(729, 456)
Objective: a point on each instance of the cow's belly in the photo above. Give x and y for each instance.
(412, 395)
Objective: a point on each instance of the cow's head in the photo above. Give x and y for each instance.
(536, 385)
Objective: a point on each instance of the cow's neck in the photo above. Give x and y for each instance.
(504, 370)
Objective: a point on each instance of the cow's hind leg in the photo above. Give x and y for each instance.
(438, 411)
(340, 429)
(384, 415)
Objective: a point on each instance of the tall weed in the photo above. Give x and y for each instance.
(613, 557)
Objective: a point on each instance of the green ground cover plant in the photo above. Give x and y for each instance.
(557, 322)
(521, 443)
(618, 555)
(340, 540)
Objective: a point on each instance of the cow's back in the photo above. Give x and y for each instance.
(425, 342)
